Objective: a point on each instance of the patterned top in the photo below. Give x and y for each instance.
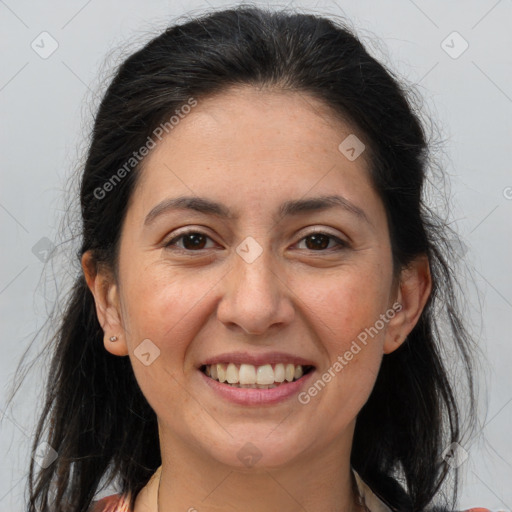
(119, 503)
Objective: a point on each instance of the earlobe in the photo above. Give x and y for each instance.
(105, 292)
(413, 292)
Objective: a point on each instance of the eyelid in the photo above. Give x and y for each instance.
(186, 231)
(341, 243)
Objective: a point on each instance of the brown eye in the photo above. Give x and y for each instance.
(320, 241)
(195, 241)
(191, 241)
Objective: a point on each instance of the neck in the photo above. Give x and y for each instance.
(189, 481)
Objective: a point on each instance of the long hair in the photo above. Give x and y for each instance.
(98, 420)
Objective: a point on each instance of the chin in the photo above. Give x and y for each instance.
(257, 449)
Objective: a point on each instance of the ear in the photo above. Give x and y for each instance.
(414, 287)
(102, 284)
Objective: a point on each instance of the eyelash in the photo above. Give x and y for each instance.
(341, 244)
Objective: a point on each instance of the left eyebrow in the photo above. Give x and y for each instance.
(288, 208)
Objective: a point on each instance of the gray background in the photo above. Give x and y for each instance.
(46, 106)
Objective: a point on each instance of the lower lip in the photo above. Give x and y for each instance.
(254, 396)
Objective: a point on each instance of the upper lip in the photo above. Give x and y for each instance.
(257, 359)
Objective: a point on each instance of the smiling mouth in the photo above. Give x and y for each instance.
(266, 376)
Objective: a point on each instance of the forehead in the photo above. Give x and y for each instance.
(247, 120)
(254, 146)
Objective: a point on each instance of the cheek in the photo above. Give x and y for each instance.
(347, 314)
(347, 302)
(163, 306)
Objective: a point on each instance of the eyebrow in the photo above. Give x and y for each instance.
(287, 209)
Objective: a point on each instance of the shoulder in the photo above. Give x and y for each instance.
(477, 510)
(113, 503)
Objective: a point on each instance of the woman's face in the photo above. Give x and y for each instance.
(257, 287)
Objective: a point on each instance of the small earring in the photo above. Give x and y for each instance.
(113, 338)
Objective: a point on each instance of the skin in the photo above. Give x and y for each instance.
(251, 150)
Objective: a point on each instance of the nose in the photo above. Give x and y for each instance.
(256, 297)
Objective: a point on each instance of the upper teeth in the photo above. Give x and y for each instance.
(250, 374)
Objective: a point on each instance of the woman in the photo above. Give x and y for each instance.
(255, 240)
